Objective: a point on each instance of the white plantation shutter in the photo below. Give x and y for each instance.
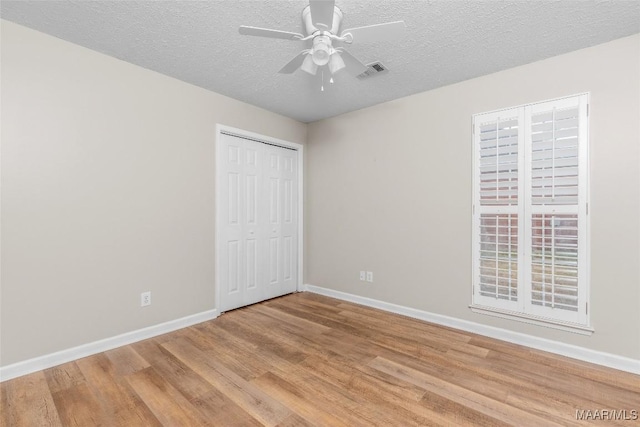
(556, 143)
(499, 161)
(530, 202)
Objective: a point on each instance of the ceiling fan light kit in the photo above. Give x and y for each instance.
(322, 20)
(309, 66)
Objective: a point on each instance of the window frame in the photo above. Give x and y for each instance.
(523, 310)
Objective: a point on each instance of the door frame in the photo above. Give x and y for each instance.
(218, 180)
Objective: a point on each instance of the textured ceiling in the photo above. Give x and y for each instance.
(445, 42)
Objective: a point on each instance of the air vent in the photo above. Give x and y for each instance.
(373, 69)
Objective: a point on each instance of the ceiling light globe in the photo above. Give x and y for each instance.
(321, 54)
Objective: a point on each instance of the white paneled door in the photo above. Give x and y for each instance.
(258, 221)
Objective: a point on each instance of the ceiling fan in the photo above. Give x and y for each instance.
(322, 20)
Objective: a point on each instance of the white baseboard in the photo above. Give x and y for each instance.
(53, 359)
(592, 356)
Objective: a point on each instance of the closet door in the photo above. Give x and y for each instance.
(281, 250)
(258, 221)
(239, 223)
(289, 220)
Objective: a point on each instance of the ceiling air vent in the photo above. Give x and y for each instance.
(373, 69)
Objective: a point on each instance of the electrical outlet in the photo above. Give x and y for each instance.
(145, 299)
(369, 276)
(362, 276)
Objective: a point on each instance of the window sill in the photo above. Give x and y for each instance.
(532, 320)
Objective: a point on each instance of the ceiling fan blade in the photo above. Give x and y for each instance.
(322, 12)
(375, 33)
(352, 64)
(266, 32)
(295, 63)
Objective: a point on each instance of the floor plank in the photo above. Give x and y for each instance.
(78, 407)
(309, 360)
(63, 377)
(250, 398)
(27, 401)
(118, 403)
(168, 405)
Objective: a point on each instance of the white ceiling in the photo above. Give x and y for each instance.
(445, 42)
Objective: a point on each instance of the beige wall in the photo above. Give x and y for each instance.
(390, 191)
(107, 191)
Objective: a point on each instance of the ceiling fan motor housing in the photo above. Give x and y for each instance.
(309, 26)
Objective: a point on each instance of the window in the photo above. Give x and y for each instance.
(530, 182)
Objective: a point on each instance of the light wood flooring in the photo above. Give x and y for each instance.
(305, 359)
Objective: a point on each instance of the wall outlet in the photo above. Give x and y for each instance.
(362, 276)
(145, 299)
(369, 276)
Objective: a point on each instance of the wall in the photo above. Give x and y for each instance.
(390, 192)
(107, 191)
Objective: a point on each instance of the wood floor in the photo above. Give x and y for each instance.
(305, 359)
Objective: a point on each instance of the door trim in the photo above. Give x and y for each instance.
(299, 148)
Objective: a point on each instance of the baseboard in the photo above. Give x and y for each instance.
(53, 359)
(592, 356)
